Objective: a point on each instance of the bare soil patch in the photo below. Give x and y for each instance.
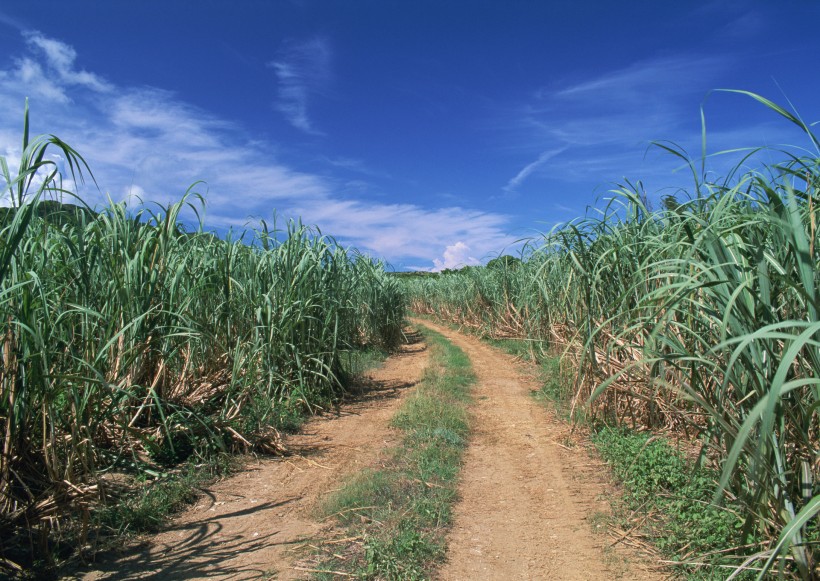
(527, 499)
(250, 525)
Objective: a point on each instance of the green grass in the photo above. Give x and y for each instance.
(517, 347)
(357, 361)
(401, 511)
(159, 499)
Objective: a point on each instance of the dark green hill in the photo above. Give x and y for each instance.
(57, 213)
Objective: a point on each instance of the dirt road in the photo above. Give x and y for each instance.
(526, 501)
(246, 527)
(525, 509)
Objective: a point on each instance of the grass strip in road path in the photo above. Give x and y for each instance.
(398, 514)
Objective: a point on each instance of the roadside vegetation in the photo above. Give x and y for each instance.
(699, 320)
(137, 352)
(397, 516)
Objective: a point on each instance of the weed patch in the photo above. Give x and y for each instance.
(670, 500)
(150, 505)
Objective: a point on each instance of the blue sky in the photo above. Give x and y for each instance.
(429, 133)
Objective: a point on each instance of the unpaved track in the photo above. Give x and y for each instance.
(247, 527)
(525, 501)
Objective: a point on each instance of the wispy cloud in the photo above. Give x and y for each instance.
(744, 27)
(48, 70)
(11, 21)
(355, 165)
(525, 172)
(146, 143)
(597, 129)
(644, 80)
(565, 208)
(630, 106)
(302, 69)
(602, 128)
(60, 59)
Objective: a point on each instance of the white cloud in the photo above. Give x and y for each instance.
(302, 69)
(455, 256)
(60, 57)
(48, 71)
(407, 230)
(30, 74)
(133, 194)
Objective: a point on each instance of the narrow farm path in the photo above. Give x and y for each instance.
(248, 526)
(525, 499)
